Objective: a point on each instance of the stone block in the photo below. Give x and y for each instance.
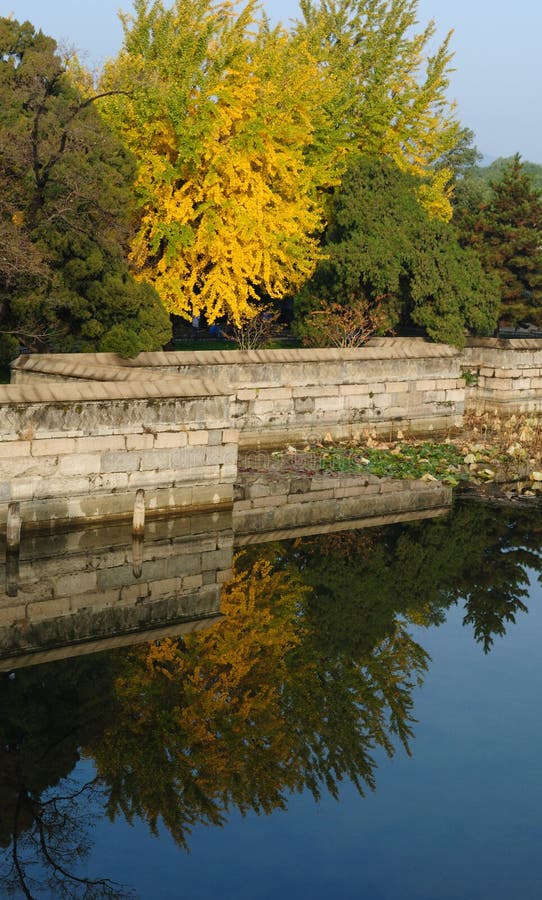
(311, 496)
(214, 456)
(97, 444)
(399, 387)
(275, 393)
(184, 565)
(67, 486)
(53, 446)
(196, 438)
(316, 390)
(48, 609)
(144, 441)
(357, 386)
(11, 614)
(171, 439)
(154, 459)
(455, 396)
(174, 497)
(192, 582)
(110, 481)
(116, 461)
(188, 457)
(79, 464)
(331, 403)
(23, 488)
(158, 478)
(216, 560)
(215, 437)
(247, 393)
(14, 449)
(224, 575)
(274, 500)
(521, 384)
(304, 405)
(42, 466)
(95, 602)
(265, 407)
(212, 494)
(77, 583)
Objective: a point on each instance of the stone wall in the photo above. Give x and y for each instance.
(298, 395)
(82, 450)
(503, 375)
(277, 506)
(80, 433)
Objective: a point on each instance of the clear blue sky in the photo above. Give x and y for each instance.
(497, 83)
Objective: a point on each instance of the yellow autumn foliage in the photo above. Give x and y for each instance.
(241, 130)
(230, 212)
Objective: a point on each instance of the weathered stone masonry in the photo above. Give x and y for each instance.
(80, 434)
(297, 395)
(82, 450)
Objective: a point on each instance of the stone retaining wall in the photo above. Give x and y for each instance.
(298, 395)
(80, 451)
(80, 591)
(80, 433)
(276, 506)
(504, 375)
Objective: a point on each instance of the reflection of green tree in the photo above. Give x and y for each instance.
(478, 554)
(481, 555)
(244, 714)
(46, 713)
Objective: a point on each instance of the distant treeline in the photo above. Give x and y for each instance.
(484, 175)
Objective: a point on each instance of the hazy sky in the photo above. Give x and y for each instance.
(497, 83)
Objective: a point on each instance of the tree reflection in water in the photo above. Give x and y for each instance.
(46, 714)
(308, 676)
(244, 714)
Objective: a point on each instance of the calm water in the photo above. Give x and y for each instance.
(362, 722)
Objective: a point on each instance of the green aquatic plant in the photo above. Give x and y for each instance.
(440, 461)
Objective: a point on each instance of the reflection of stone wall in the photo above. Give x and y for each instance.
(274, 506)
(78, 591)
(83, 450)
(79, 586)
(506, 374)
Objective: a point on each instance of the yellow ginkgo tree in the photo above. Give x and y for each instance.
(221, 111)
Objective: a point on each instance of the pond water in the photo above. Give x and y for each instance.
(356, 716)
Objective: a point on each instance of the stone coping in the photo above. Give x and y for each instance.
(110, 367)
(94, 391)
(495, 343)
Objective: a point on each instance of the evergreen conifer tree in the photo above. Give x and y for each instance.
(507, 234)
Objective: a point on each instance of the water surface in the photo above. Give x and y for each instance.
(361, 722)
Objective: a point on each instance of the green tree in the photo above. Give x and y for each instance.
(506, 232)
(65, 210)
(385, 250)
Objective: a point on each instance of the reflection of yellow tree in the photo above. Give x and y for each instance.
(251, 710)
